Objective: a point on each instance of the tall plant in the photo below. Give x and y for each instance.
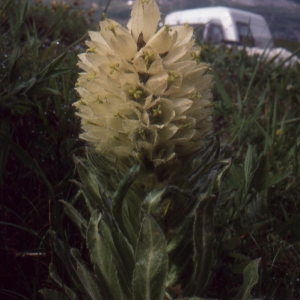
(149, 181)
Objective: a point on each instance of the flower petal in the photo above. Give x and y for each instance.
(145, 16)
(118, 39)
(163, 40)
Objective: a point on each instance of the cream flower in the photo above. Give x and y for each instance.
(144, 93)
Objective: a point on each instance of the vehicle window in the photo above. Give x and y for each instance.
(215, 34)
(245, 35)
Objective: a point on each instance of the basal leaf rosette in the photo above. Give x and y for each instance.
(144, 93)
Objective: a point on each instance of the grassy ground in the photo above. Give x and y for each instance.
(256, 117)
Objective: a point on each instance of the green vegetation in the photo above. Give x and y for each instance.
(257, 217)
(257, 116)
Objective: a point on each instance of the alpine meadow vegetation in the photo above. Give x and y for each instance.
(158, 168)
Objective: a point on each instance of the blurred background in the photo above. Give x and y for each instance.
(281, 15)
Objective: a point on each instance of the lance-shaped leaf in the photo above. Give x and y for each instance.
(204, 239)
(52, 69)
(76, 217)
(259, 174)
(120, 214)
(63, 251)
(219, 176)
(151, 258)
(152, 203)
(102, 260)
(171, 202)
(248, 166)
(89, 285)
(122, 253)
(250, 279)
(91, 187)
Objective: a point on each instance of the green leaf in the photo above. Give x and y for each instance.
(260, 173)
(76, 217)
(45, 91)
(250, 279)
(235, 176)
(49, 70)
(89, 284)
(118, 211)
(173, 209)
(151, 258)
(204, 241)
(152, 203)
(122, 253)
(226, 98)
(22, 88)
(102, 260)
(179, 235)
(63, 251)
(54, 73)
(272, 180)
(91, 187)
(215, 185)
(248, 164)
(239, 268)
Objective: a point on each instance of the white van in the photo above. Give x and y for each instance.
(225, 25)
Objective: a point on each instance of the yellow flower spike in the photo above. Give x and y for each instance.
(158, 96)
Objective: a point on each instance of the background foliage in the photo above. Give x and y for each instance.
(256, 115)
